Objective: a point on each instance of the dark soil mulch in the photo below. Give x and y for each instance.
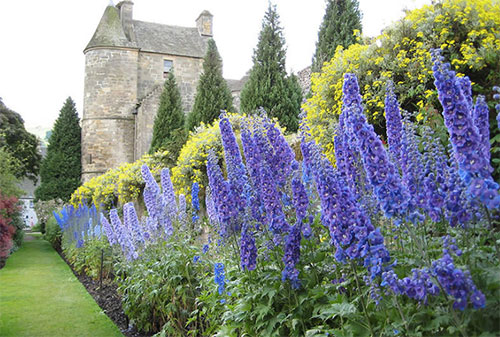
(108, 299)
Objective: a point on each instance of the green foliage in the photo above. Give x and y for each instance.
(212, 94)
(467, 31)
(43, 210)
(340, 27)
(160, 290)
(53, 233)
(87, 259)
(61, 169)
(22, 145)
(8, 181)
(268, 85)
(168, 128)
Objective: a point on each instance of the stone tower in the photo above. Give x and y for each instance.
(126, 62)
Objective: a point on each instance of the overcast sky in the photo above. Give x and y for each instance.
(42, 42)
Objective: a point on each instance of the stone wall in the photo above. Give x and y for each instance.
(150, 85)
(110, 97)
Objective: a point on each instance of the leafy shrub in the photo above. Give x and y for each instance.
(9, 225)
(44, 210)
(467, 31)
(53, 233)
(120, 185)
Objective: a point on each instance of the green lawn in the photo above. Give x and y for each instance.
(40, 297)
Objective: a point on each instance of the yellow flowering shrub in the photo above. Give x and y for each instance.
(120, 185)
(468, 31)
(192, 162)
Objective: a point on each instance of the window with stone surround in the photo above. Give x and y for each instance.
(167, 67)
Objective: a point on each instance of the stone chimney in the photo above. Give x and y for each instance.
(126, 10)
(204, 23)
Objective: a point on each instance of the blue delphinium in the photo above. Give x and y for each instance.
(253, 163)
(123, 237)
(272, 202)
(351, 230)
(182, 215)
(152, 195)
(211, 212)
(468, 148)
(132, 223)
(300, 199)
(480, 116)
(248, 250)
(195, 201)
(455, 282)
(381, 172)
(292, 256)
(168, 194)
(394, 124)
(220, 277)
(418, 286)
(109, 231)
(283, 155)
(225, 206)
(236, 171)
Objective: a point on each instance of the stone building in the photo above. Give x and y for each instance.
(126, 63)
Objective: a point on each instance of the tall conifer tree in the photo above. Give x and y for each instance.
(268, 85)
(168, 128)
(61, 169)
(341, 18)
(212, 94)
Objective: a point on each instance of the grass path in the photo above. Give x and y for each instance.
(40, 297)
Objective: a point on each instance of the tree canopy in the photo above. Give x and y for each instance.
(61, 169)
(19, 143)
(212, 94)
(341, 21)
(268, 85)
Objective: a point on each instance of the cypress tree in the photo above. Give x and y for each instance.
(268, 85)
(341, 18)
(168, 128)
(61, 169)
(212, 94)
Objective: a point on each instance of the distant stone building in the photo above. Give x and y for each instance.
(126, 63)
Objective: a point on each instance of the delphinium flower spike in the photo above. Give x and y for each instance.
(481, 115)
(109, 231)
(474, 168)
(168, 193)
(394, 124)
(381, 172)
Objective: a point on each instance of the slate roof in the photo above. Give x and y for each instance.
(151, 37)
(109, 31)
(165, 39)
(237, 85)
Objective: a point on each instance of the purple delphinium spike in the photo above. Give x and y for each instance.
(275, 217)
(481, 115)
(132, 223)
(195, 201)
(152, 195)
(253, 161)
(236, 171)
(351, 230)
(122, 235)
(222, 195)
(109, 231)
(292, 256)
(283, 155)
(381, 172)
(466, 86)
(394, 124)
(455, 282)
(168, 193)
(211, 212)
(248, 250)
(300, 199)
(469, 151)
